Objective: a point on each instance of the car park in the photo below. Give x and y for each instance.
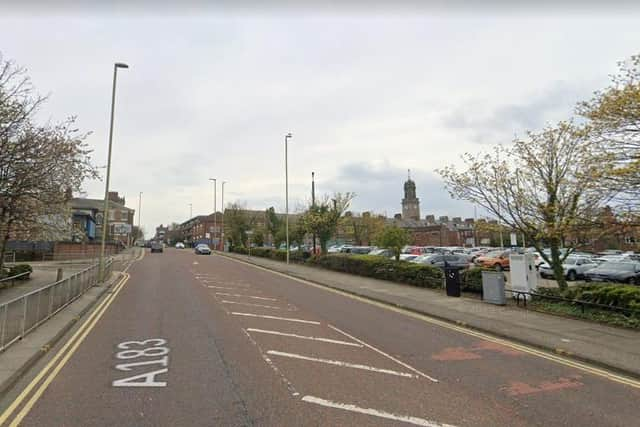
(157, 247)
(387, 253)
(621, 272)
(202, 249)
(439, 260)
(573, 267)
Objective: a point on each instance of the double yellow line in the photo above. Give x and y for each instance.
(60, 359)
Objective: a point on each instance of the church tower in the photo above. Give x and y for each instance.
(410, 203)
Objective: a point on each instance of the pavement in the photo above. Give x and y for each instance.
(39, 278)
(610, 347)
(186, 340)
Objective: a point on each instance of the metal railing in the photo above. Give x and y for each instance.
(524, 296)
(22, 315)
(10, 257)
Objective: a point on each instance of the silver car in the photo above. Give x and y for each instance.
(573, 267)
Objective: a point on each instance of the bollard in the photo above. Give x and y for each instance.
(59, 275)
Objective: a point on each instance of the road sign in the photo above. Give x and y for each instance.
(514, 239)
(121, 229)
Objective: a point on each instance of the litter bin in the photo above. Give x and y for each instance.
(493, 287)
(452, 281)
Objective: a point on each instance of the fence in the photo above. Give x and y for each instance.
(524, 296)
(22, 315)
(10, 257)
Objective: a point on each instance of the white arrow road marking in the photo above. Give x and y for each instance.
(374, 412)
(342, 364)
(283, 334)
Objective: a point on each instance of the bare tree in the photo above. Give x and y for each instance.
(40, 165)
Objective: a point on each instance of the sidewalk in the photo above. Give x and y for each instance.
(610, 347)
(16, 360)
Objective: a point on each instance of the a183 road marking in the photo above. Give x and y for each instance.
(152, 347)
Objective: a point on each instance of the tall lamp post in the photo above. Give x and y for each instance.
(222, 228)
(105, 216)
(286, 190)
(215, 210)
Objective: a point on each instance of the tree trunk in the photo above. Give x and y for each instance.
(3, 247)
(556, 264)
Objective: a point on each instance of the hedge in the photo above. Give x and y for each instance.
(382, 268)
(277, 254)
(625, 296)
(19, 269)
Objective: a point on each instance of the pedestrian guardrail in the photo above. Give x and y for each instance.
(23, 314)
(10, 257)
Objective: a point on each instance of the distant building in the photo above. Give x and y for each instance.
(410, 203)
(88, 215)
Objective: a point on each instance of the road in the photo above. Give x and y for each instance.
(188, 340)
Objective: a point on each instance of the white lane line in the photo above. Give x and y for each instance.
(246, 296)
(218, 287)
(284, 334)
(340, 363)
(411, 368)
(248, 304)
(290, 386)
(374, 412)
(262, 316)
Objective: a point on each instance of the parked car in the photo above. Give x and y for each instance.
(179, 245)
(498, 260)
(573, 267)
(438, 260)
(157, 247)
(407, 257)
(387, 253)
(622, 272)
(202, 249)
(361, 250)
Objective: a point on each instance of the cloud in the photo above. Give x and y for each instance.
(488, 122)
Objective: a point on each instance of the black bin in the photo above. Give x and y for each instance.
(452, 281)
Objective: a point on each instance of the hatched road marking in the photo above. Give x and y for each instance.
(244, 296)
(374, 412)
(288, 319)
(248, 304)
(284, 334)
(341, 364)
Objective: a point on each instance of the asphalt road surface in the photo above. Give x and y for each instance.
(192, 340)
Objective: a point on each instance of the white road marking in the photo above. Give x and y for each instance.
(218, 287)
(248, 304)
(288, 319)
(374, 412)
(195, 262)
(290, 386)
(327, 340)
(411, 368)
(340, 363)
(245, 296)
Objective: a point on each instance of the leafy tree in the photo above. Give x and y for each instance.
(614, 118)
(273, 224)
(258, 238)
(236, 225)
(363, 227)
(40, 165)
(545, 187)
(394, 238)
(322, 218)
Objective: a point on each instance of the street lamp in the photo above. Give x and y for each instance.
(190, 210)
(215, 209)
(222, 228)
(286, 181)
(105, 216)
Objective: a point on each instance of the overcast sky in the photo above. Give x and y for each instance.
(367, 95)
